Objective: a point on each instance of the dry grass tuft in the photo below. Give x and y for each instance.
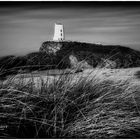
(70, 107)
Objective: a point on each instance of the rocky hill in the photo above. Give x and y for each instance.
(73, 54)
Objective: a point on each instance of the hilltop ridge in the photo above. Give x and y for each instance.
(113, 56)
(73, 55)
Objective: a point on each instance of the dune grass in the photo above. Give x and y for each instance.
(70, 107)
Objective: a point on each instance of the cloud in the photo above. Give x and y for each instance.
(24, 28)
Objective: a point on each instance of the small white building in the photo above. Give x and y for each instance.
(58, 32)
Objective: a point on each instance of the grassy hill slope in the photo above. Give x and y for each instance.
(54, 55)
(94, 54)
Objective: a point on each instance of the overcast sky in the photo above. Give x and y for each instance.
(24, 26)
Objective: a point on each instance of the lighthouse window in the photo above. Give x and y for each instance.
(61, 30)
(61, 34)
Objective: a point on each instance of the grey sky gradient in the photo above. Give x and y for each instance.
(23, 26)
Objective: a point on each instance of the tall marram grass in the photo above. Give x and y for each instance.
(71, 106)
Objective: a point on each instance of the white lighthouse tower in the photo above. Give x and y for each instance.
(58, 32)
